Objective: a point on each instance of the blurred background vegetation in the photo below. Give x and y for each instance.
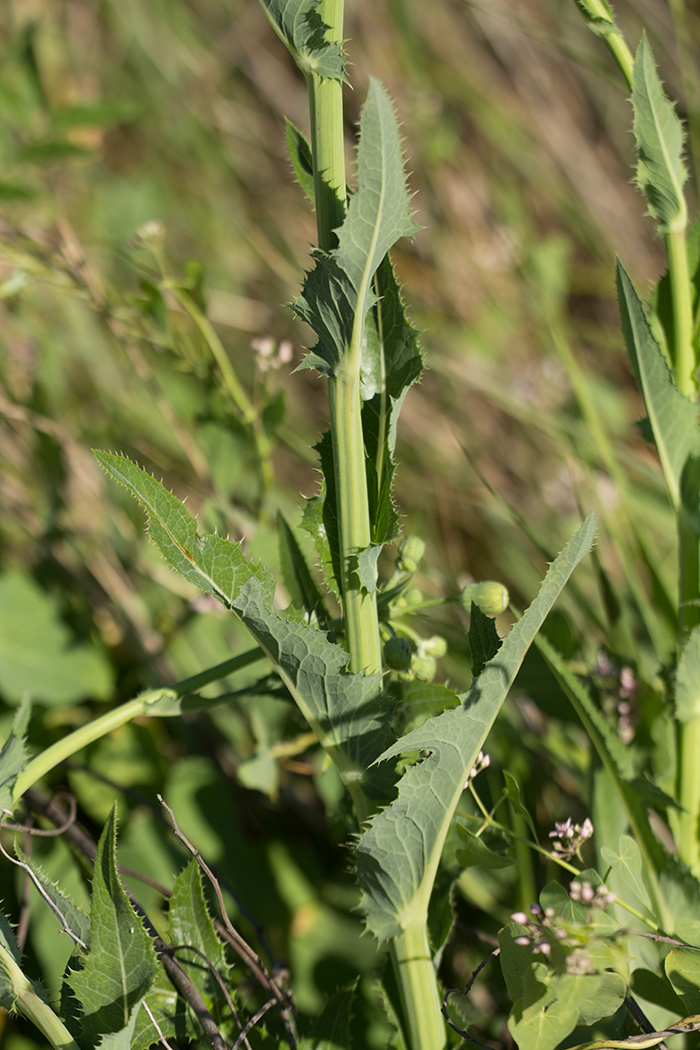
(116, 114)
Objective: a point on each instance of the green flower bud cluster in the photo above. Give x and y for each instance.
(411, 551)
(491, 597)
(398, 653)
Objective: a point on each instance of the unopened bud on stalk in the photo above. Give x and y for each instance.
(411, 551)
(435, 646)
(424, 667)
(491, 597)
(397, 653)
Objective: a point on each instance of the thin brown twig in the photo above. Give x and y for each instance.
(467, 989)
(215, 974)
(253, 1021)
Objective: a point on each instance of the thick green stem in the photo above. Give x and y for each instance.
(684, 363)
(360, 607)
(420, 999)
(144, 704)
(33, 1007)
(327, 144)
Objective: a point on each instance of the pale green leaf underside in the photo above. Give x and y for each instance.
(673, 417)
(399, 852)
(661, 172)
(337, 293)
(212, 563)
(121, 964)
(346, 711)
(303, 31)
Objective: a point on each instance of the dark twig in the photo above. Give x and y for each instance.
(467, 989)
(253, 1021)
(635, 1011)
(252, 959)
(215, 974)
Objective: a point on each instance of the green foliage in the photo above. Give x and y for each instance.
(398, 854)
(303, 31)
(661, 172)
(60, 673)
(121, 963)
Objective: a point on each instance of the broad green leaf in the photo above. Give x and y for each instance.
(687, 691)
(297, 576)
(598, 995)
(682, 967)
(627, 864)
(121, 964)
(332, 1030)
(544, 1022)
(123, 1039)
(303, 32)
(346, 711)
(212, 563)
(70, 917)
(475, 854)
(337, 293)
(189, 923)
(660, 138)
(13, 756)
(302, 160)
(399, 852)
(36, 655)
(673, 417)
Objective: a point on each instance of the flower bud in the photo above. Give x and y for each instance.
(435, 646)
(411, 551)
(397, 653)
(424, 667)
(491, 597)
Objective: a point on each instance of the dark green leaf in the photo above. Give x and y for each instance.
(484, 640)
(121, 964)
(301, 158)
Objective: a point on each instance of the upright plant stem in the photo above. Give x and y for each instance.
(354, 534)
(684, 365)
(410, 951)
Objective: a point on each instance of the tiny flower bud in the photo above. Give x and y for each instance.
(424, 667)
(397, 653)
(522, 941)
(411, 551)
(435, 646)
(491, 597)
(521, 917)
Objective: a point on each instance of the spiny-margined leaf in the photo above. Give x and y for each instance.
(346, 711)
(212, 563)
(337, 293)
(71, 917)
(302, 30)
(302, 160)
(398, 854)
(190, 925)
(660, 137)
(687, 691)
(121, 964)
(673, 417)
(391, 363)
(13, 756)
